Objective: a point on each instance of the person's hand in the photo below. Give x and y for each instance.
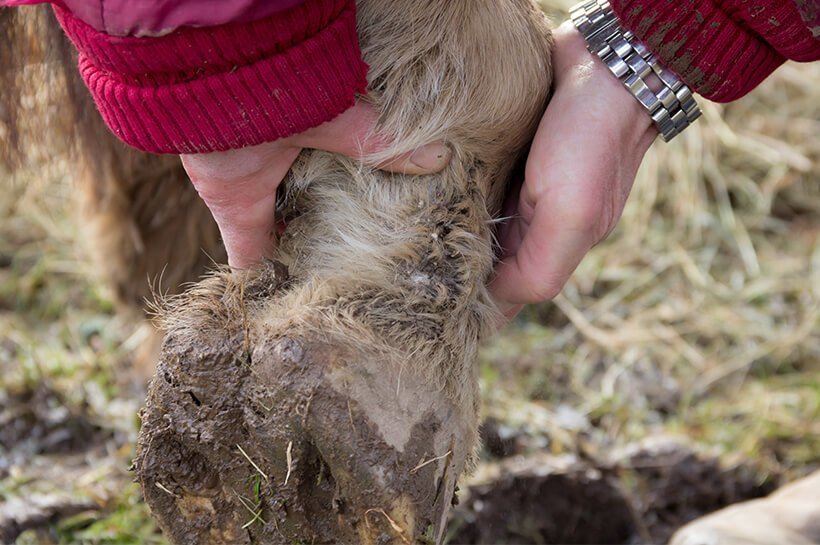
(239, 186)
(578, 175)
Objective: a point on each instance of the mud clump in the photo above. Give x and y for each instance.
(673, 485)
(641, 494)
(254, 437)
(543, 500)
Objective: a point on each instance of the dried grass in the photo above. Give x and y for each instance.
(715, 262)
(701, 313)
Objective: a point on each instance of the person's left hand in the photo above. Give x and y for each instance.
(578, 175)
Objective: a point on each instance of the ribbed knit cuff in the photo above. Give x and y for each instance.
(716, 51)
(211, 89)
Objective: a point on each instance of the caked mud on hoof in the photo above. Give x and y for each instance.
(340, 405)
(252, 435)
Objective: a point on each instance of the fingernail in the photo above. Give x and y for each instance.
(432, 157)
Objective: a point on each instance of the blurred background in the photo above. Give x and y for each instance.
(678, 371)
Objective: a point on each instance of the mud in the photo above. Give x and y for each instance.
(544, 500)
(640, 494)
(249, 436)
(258, 429)
(671, 485)
(498, 440)
(38, 420)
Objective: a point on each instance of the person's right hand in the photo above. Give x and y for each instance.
(239, 186)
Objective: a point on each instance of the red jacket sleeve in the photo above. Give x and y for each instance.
(210, 89)
(724, 48)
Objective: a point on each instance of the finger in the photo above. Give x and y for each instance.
(554, 224)
(427, 159)
(352, 134)
(508, 312)
(547, 256)
(581, 165)
(564, 206)
(244, 208)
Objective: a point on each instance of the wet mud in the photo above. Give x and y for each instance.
(640, 494)
(38, 420)
(255, 436)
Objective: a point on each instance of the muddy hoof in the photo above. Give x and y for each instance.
(253, 435)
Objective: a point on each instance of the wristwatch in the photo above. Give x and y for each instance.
(672, 107)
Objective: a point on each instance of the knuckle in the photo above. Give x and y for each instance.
(584, 215)
(541, 287)
(546, 291)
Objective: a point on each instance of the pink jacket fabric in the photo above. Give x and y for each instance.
(143, 18)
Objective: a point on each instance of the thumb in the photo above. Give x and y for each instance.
(239, 188)
(352, 134)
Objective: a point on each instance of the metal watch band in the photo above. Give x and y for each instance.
(673, 107)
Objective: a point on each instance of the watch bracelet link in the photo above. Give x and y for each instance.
(673, 107)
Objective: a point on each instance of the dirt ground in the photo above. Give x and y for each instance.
(678, 372)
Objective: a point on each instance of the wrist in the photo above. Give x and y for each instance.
(580, 72)
(666, 99)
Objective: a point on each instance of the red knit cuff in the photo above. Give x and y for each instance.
(211, 89)
(715, 54)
